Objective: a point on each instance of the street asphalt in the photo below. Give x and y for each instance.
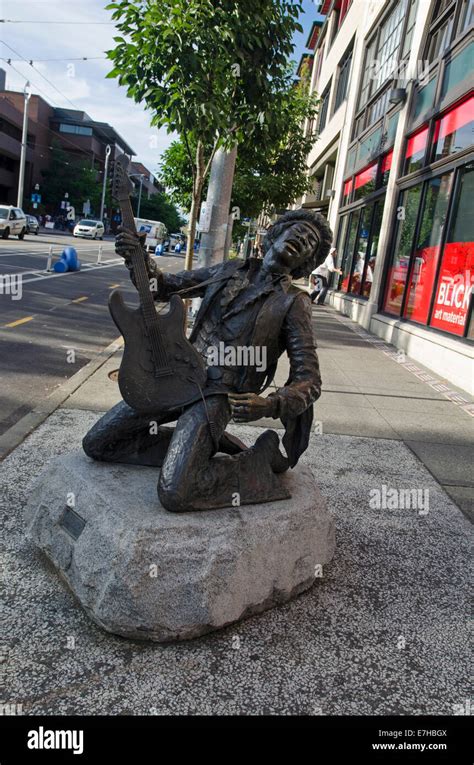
(383, 631)
(60, 321)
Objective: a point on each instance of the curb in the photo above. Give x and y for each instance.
(15, 435)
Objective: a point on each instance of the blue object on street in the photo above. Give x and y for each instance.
(68, 261)
(178, 247)
(159, 249)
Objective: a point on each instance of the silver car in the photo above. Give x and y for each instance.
(32, 225)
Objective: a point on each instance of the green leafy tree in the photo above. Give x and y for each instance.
(271, 169)
(69, 174)
(208, 71)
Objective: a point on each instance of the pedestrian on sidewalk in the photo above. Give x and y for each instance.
(320, 278)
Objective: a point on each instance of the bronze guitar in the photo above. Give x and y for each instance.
(160, 368)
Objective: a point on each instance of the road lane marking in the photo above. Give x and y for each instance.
(89, 266)
(19, 321)
(79, 299)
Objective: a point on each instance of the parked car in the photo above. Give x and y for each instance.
(32, 225)
(89, 229)
(12, 221)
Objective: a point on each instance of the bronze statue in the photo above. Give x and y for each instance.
(246, 306)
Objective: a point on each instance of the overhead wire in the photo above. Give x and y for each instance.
(41, 75)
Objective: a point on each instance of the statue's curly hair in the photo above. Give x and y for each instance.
(318, 222)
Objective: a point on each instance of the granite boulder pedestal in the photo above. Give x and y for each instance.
(145, 573)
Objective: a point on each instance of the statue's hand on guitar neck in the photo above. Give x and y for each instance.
(126, 240)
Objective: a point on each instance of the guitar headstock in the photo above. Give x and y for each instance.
(122, 185)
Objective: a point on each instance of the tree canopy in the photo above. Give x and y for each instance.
(212, 72)
(271, 166)
(67, 174)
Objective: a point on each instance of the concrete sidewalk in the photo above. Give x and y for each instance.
(383, 631)
(369, 390)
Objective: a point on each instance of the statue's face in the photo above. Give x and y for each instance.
(292, 247)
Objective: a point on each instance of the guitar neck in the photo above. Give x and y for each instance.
(139, 268)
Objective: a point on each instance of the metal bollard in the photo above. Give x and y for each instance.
(99, 255)
(50, 259)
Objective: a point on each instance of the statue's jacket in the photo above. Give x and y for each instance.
(280, 320)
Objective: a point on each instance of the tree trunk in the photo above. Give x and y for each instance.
(219, 194)
(195, 205)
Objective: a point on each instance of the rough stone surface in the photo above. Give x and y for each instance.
(142, 572)
(334, 650)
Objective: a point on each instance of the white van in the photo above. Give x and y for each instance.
(12, 221)
(155, 232)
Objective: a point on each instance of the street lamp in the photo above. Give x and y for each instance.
(24, 138)
(104, 182)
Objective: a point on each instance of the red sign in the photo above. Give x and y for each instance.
(347, 188)
(420, 288)
(455, 285)
(417, 143)
(365, 176)
(456, 118)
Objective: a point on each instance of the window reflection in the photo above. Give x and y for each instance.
(371, 258)
(456, 277)
(426, 256)
(406, 221)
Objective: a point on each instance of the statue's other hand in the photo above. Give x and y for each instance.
(126, 240)
(247, 407)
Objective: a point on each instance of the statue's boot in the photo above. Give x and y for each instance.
(259, 467)
(247, 478)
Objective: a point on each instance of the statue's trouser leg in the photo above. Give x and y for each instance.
(192, 478)
(124, 435)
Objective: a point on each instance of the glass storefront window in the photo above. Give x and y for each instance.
(355, 281)
(368, 147)
(364, 182)
(415, 151)
(424, 99)
(348, 251)
(385, 167)
(406, 221)
(458, 70)
(357, 246)
(351, 155)
(427, 251)
(346, 191)
(341, 236)
(392, 128)
(456, 277)
(371, 258)
(454, 131)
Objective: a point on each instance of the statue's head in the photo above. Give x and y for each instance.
(297, 243)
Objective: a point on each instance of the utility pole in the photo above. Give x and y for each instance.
(213, 242)
(24, 138)
(140, 196)
(104, 182)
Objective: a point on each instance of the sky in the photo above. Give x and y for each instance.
(81, 84)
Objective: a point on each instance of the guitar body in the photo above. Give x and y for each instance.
(160, 370)
(144, 386)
